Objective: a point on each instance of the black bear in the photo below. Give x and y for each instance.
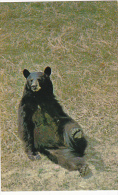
(44, 127)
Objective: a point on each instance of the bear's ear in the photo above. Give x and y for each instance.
(47, 71)
(26, 73)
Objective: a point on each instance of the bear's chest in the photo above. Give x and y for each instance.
(46, 132)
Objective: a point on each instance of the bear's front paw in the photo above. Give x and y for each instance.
(37, 157)
(34, 157)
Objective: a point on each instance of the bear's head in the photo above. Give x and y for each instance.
(38, 81)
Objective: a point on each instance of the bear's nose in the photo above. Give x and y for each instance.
(34, 87)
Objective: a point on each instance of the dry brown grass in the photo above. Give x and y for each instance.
(78, 41)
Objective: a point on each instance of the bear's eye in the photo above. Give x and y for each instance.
(31, 80)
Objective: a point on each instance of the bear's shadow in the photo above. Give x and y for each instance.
(93, 157)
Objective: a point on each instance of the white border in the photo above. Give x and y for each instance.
(97, 192)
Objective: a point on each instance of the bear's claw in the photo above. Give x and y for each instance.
(84, 170)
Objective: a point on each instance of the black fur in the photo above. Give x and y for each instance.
(44, 127)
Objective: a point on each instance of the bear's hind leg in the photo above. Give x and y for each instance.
(67, 159)
(74, 138)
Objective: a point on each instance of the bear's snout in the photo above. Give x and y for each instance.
(35, 86)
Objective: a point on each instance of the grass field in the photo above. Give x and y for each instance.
(78, 41)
